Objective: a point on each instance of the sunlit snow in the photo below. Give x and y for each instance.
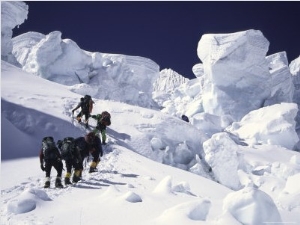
(235, 163)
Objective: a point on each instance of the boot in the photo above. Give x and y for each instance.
(67, 179)
(58, 183)
(47, 182)
(75, 179)
(93, 167)
(76, 176)
(92, 170)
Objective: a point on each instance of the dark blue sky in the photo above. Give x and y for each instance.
(166, 32)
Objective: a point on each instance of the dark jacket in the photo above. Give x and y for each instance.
(83, 147)
(84, 108)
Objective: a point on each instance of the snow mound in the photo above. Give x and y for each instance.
(111, 192)
(164, 186)
(289, 198)
(27, 201)
(131, 197)
(221, 153)
(251, 206)
(196, 210)
(269, 125)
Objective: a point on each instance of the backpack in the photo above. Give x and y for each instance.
(49, 148)
(105, 118)
(67, 148)
(185, 118)
(86, 103)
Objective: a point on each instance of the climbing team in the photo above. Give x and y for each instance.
(73, 151)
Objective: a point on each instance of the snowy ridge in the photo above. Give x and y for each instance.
(168, 80)
(22, 45)
(12, 14)
(62, 103)
(111, 76)
(138, 61)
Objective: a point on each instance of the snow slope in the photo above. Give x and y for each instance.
(137, 182)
